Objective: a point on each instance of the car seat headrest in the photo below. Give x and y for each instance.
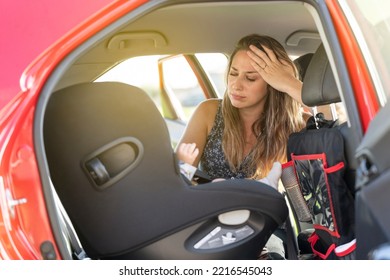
(302, 63)
(319, 85)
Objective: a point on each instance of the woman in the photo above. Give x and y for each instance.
(243, 135)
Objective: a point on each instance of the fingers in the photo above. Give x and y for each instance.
(257, 67)
(260, 57)
(190, 149)
(270, 54)
(187, 152)
(264, 59)
(218, 180)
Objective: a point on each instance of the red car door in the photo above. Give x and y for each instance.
(28, 28)
(25, 232)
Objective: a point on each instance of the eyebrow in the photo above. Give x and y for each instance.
(248, 72)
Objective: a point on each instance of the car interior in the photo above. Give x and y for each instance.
(114, 188)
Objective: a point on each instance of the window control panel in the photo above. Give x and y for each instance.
(221, 236)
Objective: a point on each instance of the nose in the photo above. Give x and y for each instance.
(237, 84)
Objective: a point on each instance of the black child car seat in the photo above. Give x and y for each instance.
(113, 167)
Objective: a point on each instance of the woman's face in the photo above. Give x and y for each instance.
(246, 87)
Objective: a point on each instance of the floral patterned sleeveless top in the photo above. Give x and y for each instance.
(213, 160)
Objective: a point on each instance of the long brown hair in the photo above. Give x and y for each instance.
(282, 115)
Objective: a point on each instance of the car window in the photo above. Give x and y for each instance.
(140, 71)
(371, 26)
(180, 84)
(188, 80)
(215, 65)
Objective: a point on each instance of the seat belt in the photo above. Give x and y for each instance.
(291, 242)
(292, 247)
(67, 228)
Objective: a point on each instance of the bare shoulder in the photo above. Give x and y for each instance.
(200, 124)
(206, 112)
(209, 106)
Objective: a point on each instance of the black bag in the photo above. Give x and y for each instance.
(317, 155)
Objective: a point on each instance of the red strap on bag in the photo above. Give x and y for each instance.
(313, 240)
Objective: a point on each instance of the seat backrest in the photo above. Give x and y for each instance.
(319, 156)
(112, 164)
(319, 89)
(93, 138)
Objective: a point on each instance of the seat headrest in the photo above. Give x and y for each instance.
(319, 85)
(302, 63)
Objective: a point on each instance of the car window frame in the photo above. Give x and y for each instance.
(204, 81)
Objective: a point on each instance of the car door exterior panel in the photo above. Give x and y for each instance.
(373, 180)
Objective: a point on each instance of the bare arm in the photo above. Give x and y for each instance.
(191, 145)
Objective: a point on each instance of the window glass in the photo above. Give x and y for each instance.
(181, 84)
(140, 71)
(215, 65)
(373, 19)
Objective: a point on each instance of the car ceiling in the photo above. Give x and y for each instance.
(198, 27)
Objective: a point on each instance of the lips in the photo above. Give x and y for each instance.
(236, 96)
